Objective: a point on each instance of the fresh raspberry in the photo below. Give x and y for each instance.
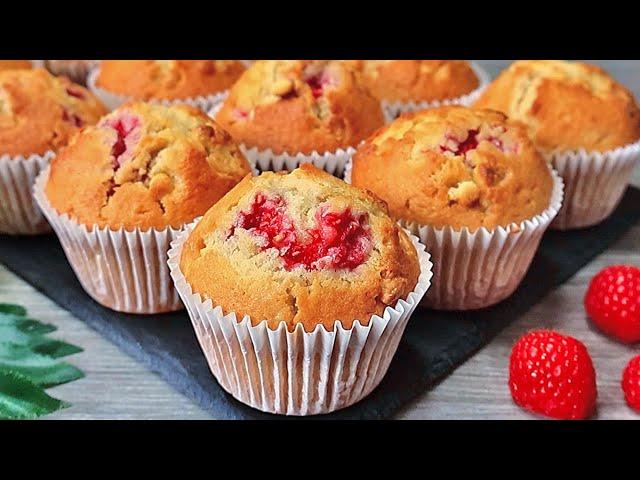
(631, 383)
(340, 240)
(613, 302)
(552, 374)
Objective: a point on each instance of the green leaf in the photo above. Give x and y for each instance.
(13, 309)
(39, 369)
(53, 348)
(26, 325)
(22, 399)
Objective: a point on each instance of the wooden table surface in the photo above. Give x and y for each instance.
(117, 387)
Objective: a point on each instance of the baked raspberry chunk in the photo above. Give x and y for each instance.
(75, 93)
(319, 82)
(453, 145)
(339, 240)
(127, 128)
(73, 118)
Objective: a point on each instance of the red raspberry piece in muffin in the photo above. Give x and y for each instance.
(300, 248)
(299, 106)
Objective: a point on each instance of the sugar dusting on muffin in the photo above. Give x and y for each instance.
(145, 166)
(298, 106)
(303, 247)
(454, 166)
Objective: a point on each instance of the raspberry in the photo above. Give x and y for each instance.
(75, 93)
(318, 82)
(631, 383)
(338, 241)
(613, 302)
(125, 127)
(553, 375)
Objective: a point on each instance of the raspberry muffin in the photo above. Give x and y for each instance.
(317, 109)
(16, 64)
(297, 256)
(38, 115)
(580, 118)
(121, 189)
(410, 85)
(472, 185)
(200, 83)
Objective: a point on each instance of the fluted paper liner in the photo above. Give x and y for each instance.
(113, 100)
(77, 72)
(122, 270)
(19, 213)
(265, 160)
(393, 110)
(594, 184)
(478, 269)
(296, 373)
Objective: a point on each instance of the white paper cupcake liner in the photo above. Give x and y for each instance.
(19, 214)
(594, 184)
(265, 160)
(122, 270)
(478, 269)
(296, 373)
(113, 100)
(393, 110)
(77, 72)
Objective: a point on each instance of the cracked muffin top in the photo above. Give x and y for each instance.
(168, 79)
(40, 112)
(300, 106)
(417, 80)
(455, 166)
(145, 166)
(565, 105)
(300, 248)
(16, 65)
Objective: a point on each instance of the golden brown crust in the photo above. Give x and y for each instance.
(298, 106)
(16, 65)
(168, 79)
(40, 112)
(230, 267)
(566, 105)
(454, 166)
(417, 80)
(145, 166)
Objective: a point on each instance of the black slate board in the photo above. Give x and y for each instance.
(434, 344)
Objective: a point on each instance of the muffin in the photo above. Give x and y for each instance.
(285, 112)
(580, 118)
(38, 115)
(472, 185)
(411, 85)
(76, 70)
(200, 83)
(16, 65)
(40, 112)
(118, 193)
(300, 256)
